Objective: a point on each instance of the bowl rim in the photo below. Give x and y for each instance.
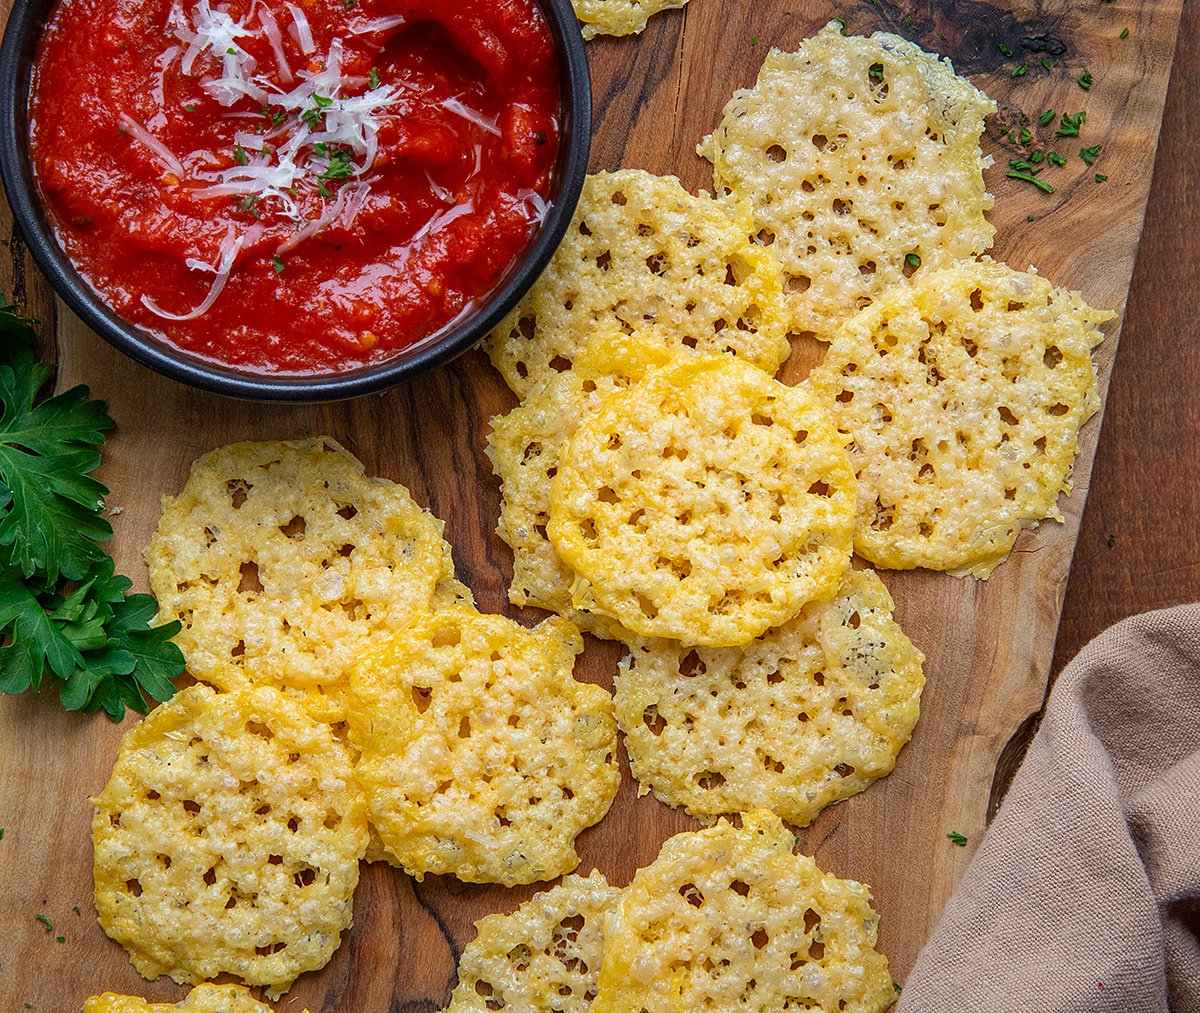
(18, 48)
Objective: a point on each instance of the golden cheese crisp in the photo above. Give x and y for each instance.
(481, 756)
(618, 17)
(730, 919)
(644, 255)
(706, 503)
(861, 159)
(542, 958)
(201, 999)
(524, 447)
(283, 561)
(228, 839)
(963, 395)
(807, 715)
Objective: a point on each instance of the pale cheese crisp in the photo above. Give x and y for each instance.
(228, 838)
(481, 756)
(861, 160)
(524, 448)
(706, 503)
(643, 255)
(201, 999)
(618, 17)
(963, 395)
(808, 714)
(542, 958)
(283, 561)
(730, 919)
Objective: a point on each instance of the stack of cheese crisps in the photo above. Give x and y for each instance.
(352, 702)
(660, 487)
(725, 918)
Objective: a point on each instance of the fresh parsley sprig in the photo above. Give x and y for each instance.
(66, 619)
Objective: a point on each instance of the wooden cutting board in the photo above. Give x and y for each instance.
(988, 645)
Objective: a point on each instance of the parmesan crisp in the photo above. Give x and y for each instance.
(283, 561)
(730, 919)
(227, 840)
(706, 503)
(545, 956)
(481, 756)
(963, 395)
(201, 999)
(861, 160)
(644, 256)
(618, 17)
(809, 714)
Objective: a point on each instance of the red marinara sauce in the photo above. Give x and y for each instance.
(294, 187)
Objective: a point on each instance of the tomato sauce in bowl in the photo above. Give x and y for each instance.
(294, 187)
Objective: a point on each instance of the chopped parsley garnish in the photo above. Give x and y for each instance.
(1054, 158)
(373, 77)
(1005, 50)
(1111, 540)
(1100, 177)
(313, 116)
(754, 41)
(340, 165)
(323, 190)
(1089, 154)
(912, 259)
(349, 4)
(1069, 125)
(1, 833)
(875, 73)
(231, 51)
(190, 107)
(1047, 63)
(1046, 118)
(78, 913)
(896, 986)
(1031, 218)
(1026, 135)
(66, 619)
(277, 264)
(1041, 184)
(840, 22)
(1037, 156)
(1020, 70)
(60, 939)
(957, 839)
(1124, 33)
(1085, 80)
(46, 922)
(240, 156)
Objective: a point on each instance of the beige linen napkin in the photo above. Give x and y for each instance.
(1085, 893)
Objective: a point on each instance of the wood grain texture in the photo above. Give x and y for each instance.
(988, 645)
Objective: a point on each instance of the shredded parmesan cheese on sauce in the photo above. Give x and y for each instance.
(318, 129)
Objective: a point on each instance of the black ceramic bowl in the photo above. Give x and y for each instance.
(17, 53)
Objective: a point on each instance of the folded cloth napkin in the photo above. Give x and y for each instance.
(1084, 894)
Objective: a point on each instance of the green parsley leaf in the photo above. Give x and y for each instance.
(1111, 540)
(1026, 135)
(1005, 50)
(1041, 184)
(1100, 177)
(231, 51)
(1, 833)
(46, 922)
(373, 77)
(912, 259)
(277, 264)
(190, 107)
(1037, 156)
(340, 165)
(1046, 118)
(1085, 80)
(240, 156)
(840, 22)
(65, 618)
(323, 190)
(78, 913)
(957, 839)
(754, 41)
(1124, 33)
(1031, 218)
(1047, 63)
(896, 986)
(1089, 154)
(1054, 158)
(1069, 125)
(875, 73)
(61, 939)
(1020, 70)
